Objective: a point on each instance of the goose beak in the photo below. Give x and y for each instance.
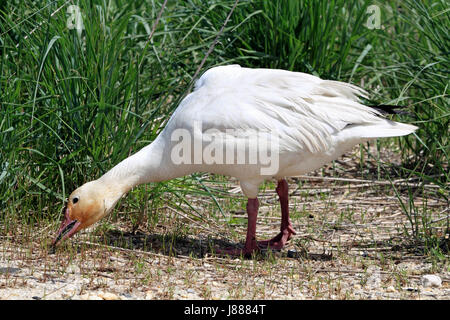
(68, 227)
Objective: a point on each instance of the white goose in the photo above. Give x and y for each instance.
(252, 124)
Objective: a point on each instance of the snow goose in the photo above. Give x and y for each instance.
(252, 124)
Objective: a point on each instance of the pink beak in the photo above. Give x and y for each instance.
(68, 227)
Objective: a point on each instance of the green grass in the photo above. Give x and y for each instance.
(72, 96)
(73, 105)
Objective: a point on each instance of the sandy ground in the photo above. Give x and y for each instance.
(351, 243)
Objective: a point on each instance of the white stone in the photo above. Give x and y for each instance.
(431, 280)
(390, 289)
(108, 296)
(73, 268)
(149, 295)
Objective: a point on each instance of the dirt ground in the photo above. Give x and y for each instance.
(352, 243)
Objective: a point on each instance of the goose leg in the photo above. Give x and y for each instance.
(287, 230)
(250, 242)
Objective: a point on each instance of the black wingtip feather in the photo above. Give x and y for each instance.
(390, 109)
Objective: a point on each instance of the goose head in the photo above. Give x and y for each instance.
(85, 206)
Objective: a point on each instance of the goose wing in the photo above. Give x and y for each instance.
(304, 110)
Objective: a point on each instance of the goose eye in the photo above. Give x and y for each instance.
(75, 200)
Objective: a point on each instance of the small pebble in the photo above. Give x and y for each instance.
(72, 268)
(431, 280)
(297, 254)
(108, 296)
(390, 289)
(89, 296)
(127, 295)
(149, 295)
(292, 253)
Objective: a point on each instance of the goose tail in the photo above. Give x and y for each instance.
(381, 129)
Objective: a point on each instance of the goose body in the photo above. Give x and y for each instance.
(252, 124)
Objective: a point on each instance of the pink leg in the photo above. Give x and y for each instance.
(250, 242)
(287, 230)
